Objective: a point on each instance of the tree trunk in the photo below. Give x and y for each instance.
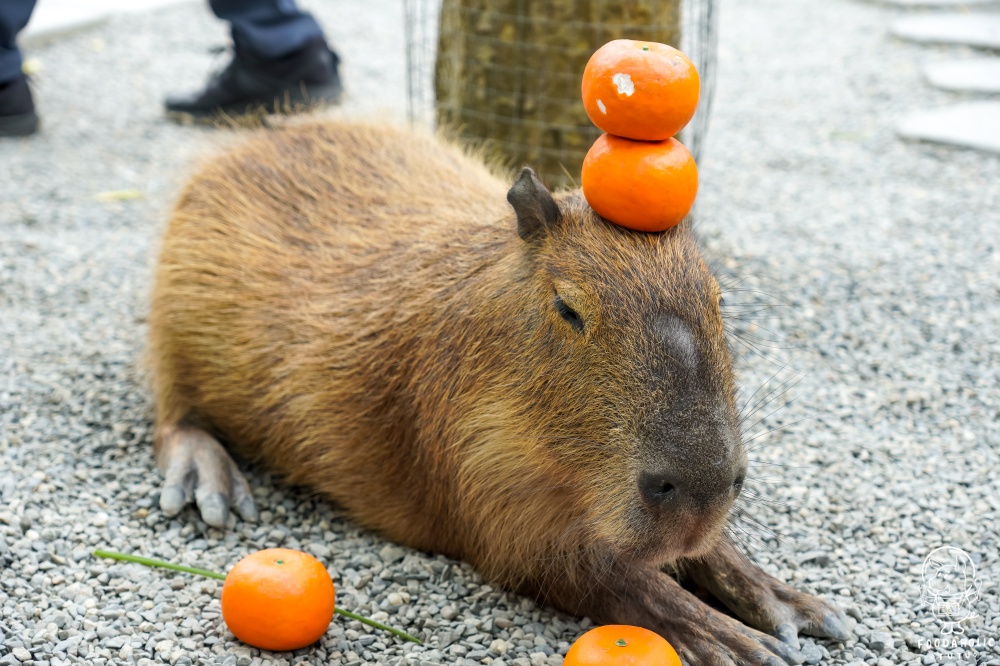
(508, 73)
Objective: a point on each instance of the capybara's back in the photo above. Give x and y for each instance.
(296, 278)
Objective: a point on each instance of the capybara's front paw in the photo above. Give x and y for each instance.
(762, 601)
(702, 635)
(706, 637)
(195, 466)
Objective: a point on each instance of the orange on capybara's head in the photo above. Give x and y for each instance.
(640, 90)
(641, 185)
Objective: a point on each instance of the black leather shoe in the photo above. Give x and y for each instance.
(17, 109)
(251, 85)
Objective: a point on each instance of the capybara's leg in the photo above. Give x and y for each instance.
(629, 593)
(763, 601)
(195, 466)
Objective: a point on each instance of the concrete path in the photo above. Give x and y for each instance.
(974, 125)
(980, 30)
(969, 125)
(938, 4)
(53, 18)
(978, 75)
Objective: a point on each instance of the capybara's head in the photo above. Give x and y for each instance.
(634, 389)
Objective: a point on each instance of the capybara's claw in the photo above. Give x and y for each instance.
(197, 467)
(789, 653)
(214, 508)
(834, 626)
(172, 500)
(788, 633)
(245, 506)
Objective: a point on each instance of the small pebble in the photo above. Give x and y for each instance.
(880, 641)
(812, 653)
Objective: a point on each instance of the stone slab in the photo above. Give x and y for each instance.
(53, 18)
(970, 125)
(980, 30)
(978, 75)
(949, 4)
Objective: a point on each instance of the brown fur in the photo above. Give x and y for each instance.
(352, 307)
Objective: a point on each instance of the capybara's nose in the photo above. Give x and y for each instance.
(658, 488)
(663, 489)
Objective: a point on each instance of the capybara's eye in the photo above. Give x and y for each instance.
(569, 314)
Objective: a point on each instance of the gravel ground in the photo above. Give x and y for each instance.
(881, 256)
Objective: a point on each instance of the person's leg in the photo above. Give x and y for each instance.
(14, 15)
(268, 29)
(281, 63)
(17, 109)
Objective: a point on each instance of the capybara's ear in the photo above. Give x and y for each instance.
(533, 203)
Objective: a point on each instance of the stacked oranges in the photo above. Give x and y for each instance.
(641, 94)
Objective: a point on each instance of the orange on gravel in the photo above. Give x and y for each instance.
(278, 599)
(641, 185)
(640, 90)
(621, 645)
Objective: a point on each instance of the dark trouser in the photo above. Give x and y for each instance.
(14, 15)
(268, 29)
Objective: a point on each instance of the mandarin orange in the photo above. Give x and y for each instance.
(641, 185)
(640, 90)
(278, 599)
(621, 645)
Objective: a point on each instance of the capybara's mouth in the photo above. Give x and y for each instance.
(693, 537)
(697, 545)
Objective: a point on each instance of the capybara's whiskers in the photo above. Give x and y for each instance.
(771, 463)
(764, 433)
(758, 342)
(776, 393)
(753, 406)
(767, 503)
(745, 515)
(737, 523)
(735, 539)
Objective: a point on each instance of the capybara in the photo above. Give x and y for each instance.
(469, 367)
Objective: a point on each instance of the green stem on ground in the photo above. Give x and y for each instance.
(149, 562)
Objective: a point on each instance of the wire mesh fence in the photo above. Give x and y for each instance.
(505, 74)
